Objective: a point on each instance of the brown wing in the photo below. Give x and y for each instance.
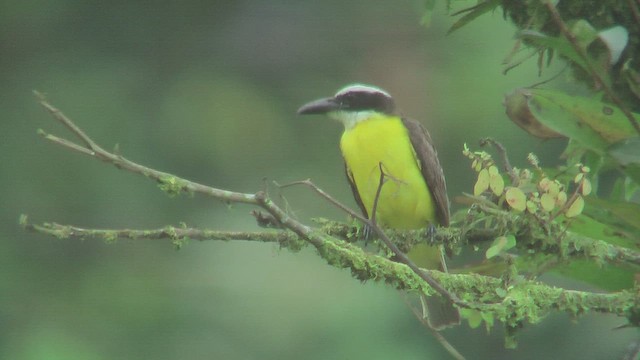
(354, 189)
(430, 167)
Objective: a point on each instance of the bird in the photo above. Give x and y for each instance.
(379, 145)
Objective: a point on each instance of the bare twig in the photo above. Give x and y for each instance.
(58, 115)
(436, 334)
(634, 10)
(505, 159)
(510, 66)
(324, 194)
(633, 350)
(168, 181)
(591, 68)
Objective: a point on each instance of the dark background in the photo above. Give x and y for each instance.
(208, 90)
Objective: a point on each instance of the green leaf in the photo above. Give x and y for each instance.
(626, 152)
(474, 317)
(511, 242)
(492, 251)
(499, 245)
(488, 319)
(633, 172)
(558, 44)
(429, 5)
(610, 233)
(585, 33)
(618, 193)
(625, 215)
(608, 277)
(472, 13)
(593, 124)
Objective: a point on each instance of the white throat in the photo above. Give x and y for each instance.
(351, 118)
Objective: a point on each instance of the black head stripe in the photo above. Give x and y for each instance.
(362, 100)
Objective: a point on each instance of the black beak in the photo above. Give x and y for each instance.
(321, 106)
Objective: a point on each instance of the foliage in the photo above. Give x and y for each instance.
(600, 42)
(605, 31)
(608, 217)
(527, 215)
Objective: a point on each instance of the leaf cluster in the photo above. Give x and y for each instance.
(604, 38)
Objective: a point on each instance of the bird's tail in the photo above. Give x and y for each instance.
(436, 309)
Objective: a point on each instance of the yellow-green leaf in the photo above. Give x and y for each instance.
(544, 184)
(547, 202)
(561, 198)
(586, 187)
(496, 182)
(482, 184)
(554, 188)
(576, 208)
(499, 245)
(516, 198)
(474, 317)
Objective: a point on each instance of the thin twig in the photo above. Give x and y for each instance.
(94, 150)
(66, 143)
(435, 285)
(634, 11)
(505, 159)
(326, 196)
(58, 115)
(510, 66)
(436, 334)
(632, 351)
(590, 67)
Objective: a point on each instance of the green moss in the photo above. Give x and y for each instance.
(172, 185)
(109, 237)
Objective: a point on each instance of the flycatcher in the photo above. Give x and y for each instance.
(414, 193)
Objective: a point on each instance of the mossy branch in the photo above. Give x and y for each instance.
(522, 302)
(518, 301)
(566, 246)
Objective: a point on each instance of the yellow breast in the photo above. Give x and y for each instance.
(405, 201)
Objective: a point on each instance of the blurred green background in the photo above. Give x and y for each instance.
(208, 90)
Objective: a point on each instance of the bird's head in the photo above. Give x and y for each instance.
(352, 104)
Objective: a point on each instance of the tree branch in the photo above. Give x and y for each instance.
(520, 302)
(168, 182)
(575, 245)
(530, 300)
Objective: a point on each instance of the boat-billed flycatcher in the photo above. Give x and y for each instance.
(414, 193)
